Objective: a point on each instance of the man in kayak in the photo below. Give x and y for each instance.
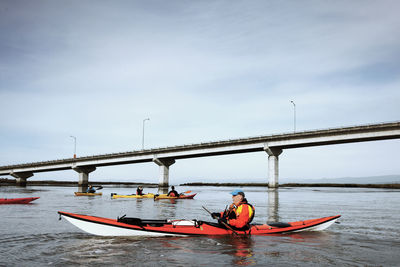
(240, 212)
(91, 189)
(173, 193)
(139, 191)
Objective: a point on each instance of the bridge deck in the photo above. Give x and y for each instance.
(360, 133)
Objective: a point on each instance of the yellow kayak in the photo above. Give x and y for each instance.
(87, 194)
(148, 195)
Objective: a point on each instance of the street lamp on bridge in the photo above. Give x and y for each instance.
(294, 119)
(74, 145)
(143, 133)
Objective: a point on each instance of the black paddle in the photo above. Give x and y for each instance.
(98, 188)
(225, 224)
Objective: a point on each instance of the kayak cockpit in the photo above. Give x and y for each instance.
(279, 224)
(142, 222)
(160, 223)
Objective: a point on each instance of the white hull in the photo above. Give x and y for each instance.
(319, 227)
(108, 230)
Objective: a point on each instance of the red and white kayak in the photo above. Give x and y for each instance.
(164, 196)
(23, 200)
(140, 227)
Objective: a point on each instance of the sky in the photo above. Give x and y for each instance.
(200, 71)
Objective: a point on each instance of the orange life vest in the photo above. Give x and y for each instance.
(241, 216)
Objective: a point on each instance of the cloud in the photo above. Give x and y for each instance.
(200, 71)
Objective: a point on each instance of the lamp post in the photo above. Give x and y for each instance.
(143, 133)
(294, 119)
(74, 145)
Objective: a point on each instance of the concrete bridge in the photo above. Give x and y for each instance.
(164, 157)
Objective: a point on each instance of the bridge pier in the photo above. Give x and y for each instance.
(21, 177)
(164, 170)
(83, 177)
(273, 165)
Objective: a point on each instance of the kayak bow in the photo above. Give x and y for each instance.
(141, 227)
(23, 200)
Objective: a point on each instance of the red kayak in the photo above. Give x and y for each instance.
(181, 196)
(23, 200)
(125, 226)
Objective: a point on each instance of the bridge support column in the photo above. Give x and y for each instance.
(83, 177)
(273, 166)
(164, 170)
(21, 177)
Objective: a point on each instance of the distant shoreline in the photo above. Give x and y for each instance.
(386, 186)
(12, 182)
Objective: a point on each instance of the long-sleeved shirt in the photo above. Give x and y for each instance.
(243, 214)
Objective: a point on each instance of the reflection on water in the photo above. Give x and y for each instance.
(162, 190)
(82, 188)
(273, 205)
(220, 251)
(242, 249)
(166, 208)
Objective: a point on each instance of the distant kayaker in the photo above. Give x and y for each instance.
(173, 192)
(240, 212)
(91, 189)
(139, 191)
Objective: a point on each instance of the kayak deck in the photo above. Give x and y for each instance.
(142, 227)
(148, 195)
(78, 194)
(164, 196)
(23, 200)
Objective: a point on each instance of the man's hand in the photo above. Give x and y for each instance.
(222, 220)
(215, 215)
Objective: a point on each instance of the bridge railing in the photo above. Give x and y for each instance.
(218, 143)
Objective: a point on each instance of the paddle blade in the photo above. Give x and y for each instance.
(187, 192)
(100, 187)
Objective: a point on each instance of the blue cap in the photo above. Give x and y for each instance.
(237, 192)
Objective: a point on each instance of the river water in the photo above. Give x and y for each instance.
(368, 233)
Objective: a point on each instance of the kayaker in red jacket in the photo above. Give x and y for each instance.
(173, 192)
(240, 212)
